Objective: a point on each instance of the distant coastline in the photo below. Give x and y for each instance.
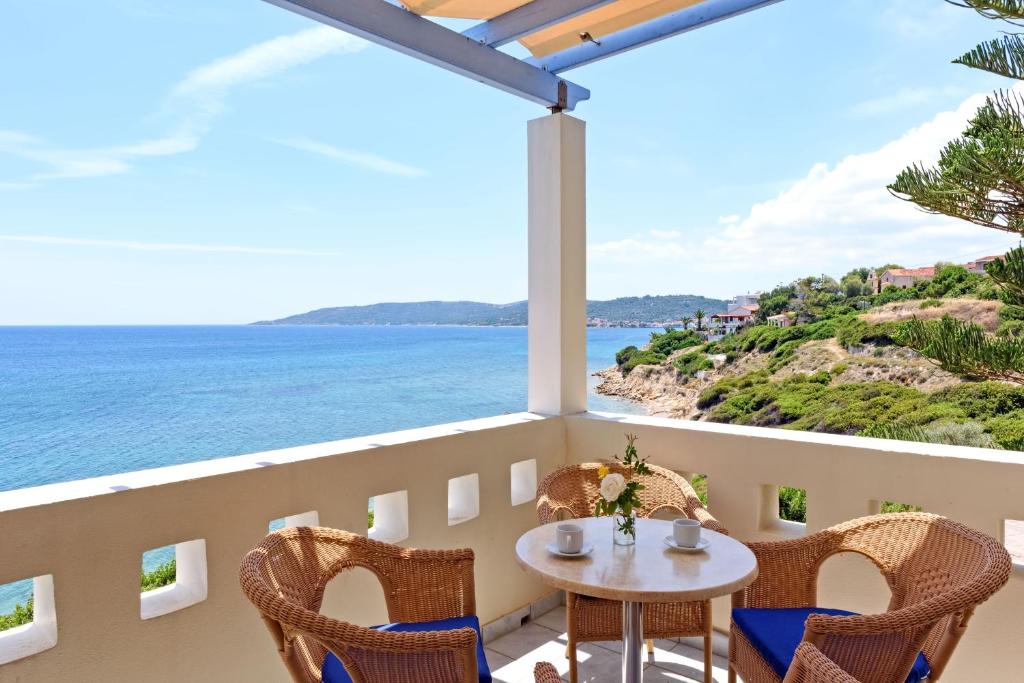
(624, 312)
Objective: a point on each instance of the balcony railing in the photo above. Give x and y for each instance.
(465, 484)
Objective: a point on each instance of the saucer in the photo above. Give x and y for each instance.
(702, 545)
(584, 551)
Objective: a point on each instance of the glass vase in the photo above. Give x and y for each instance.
(623, 528)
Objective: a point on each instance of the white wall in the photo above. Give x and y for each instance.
(90, 538)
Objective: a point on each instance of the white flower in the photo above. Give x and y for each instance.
(612, 487)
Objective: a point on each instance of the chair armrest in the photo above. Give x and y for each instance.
(787, 573)
(809, 664)
(547, 511)
(707, 520)
(867, 654)
(544, 672)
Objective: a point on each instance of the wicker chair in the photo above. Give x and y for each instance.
(544, 672)
(938, 571)
(810, 666)
(285, 577)
(573, 492)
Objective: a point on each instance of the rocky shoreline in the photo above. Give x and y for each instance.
(665, 392)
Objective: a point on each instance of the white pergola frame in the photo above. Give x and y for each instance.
(473, 53)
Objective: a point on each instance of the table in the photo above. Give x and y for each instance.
(645, 572)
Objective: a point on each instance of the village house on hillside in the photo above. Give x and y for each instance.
(899, 277)
(906, 277)
(741, 312)
(978, 265)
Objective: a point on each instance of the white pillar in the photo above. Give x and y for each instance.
(558, 265)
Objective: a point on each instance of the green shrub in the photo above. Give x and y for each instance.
(661, 346)
(839, 368)
(690, 364)
(792, 504)
(1010, 329)
(164, 575)
(625, 354)
(665, 344)
(21, 615)
(855, 332)
(821, 377)
(798, 403)
(982, 400)
(712, 395)
(930, 303)
(644, 357)
(1007, 430)
(369, 519)
(700, 486)
(889, 506)
(949, 433)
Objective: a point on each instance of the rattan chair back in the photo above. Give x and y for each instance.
(573, 491)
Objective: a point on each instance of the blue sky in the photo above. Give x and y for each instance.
(227, 161)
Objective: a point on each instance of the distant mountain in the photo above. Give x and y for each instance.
(627, 311)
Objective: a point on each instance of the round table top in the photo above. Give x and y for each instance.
(648, 571)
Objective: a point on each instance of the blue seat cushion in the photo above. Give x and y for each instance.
(775, 633)
(334, 672)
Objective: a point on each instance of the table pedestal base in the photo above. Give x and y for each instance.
(632, 642)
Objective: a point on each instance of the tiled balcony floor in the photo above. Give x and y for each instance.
(512, 656)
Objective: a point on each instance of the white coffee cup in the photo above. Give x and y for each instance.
(569, 538)
(686, 532)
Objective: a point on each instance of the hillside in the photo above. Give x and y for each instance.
(838, 366)
(626, 311)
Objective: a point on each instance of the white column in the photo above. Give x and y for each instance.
(558, 265)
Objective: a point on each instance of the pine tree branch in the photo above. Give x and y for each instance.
(1004, 57)
(980, 175)
(1008, 273)
(1007, 10)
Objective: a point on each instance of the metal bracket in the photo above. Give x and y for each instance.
(563, 98)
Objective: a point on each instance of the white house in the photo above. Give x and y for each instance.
(978, 265)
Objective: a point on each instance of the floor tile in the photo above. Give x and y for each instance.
(525, 640)
(686, 663)
(554, 619)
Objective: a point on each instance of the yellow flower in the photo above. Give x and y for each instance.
(603, 471)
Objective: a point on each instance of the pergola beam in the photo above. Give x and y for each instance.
(681, 21)
(385, 24)
(530, 18)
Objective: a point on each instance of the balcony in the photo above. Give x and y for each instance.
(464, 484)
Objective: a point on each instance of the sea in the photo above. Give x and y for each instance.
(79, 402)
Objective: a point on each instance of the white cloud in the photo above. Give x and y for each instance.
(268, 58)
(370, 162)
(160, 246)
(903, 99)
(666, 234)
(838, 216)
(916, 20)
(198, 99)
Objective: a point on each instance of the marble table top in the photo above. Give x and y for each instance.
(648, 571)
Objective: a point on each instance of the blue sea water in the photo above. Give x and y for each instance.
(81, 402)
